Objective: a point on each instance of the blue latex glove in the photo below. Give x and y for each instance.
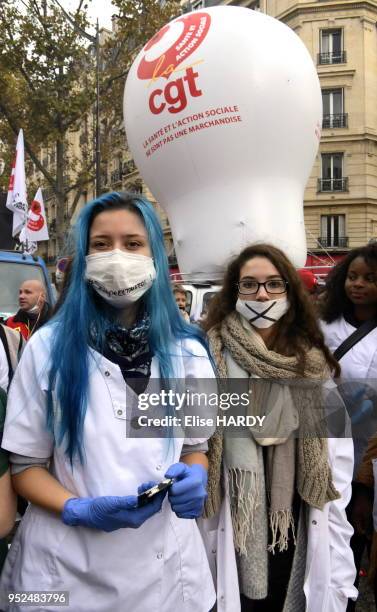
(188, 493)
(109, 512)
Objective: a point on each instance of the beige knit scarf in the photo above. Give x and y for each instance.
(312, 471)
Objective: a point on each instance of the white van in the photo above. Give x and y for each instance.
(198, 294)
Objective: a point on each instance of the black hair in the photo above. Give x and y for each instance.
(336, 303)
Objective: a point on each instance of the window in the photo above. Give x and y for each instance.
(331, 47)
(207, 297)
(333, 108)
(332, 173)
(333, 229)
(12, 275)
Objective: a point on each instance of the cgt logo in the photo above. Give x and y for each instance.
(174, 94)
(164, 53)
(35, 221)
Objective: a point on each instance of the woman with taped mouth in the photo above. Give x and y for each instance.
(287, 490)
(67, 428)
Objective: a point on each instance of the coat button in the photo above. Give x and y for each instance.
(158, 467)
(119, 412)
(159, 555)
(314, 522)
(214, 551)
(107, 373)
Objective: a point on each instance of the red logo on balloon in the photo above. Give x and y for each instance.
(35, 224)
(195, 28)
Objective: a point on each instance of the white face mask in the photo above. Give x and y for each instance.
(59, 276)
(37, 306)
(262, 314)
(119, 277)
(33, 310)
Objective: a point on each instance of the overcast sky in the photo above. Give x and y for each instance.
(102, 9)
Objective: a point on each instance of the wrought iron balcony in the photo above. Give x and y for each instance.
(339, 120)
(337, 57)
(116, 176)
(335, 184)
(52, 228)
(330, 242)
(128, 167)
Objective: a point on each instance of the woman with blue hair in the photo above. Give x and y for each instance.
(71, 429)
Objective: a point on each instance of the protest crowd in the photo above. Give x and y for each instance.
(161, 455)
(273, 518)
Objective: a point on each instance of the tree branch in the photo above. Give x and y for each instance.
(28, 148)
(81, 182)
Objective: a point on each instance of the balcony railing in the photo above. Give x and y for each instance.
(339, 120)
(334, 242)
(52, 227)
(128, 167)
(337, 57)
(116, 176)
(337, 184)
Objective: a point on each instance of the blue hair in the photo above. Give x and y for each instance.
(82, 320)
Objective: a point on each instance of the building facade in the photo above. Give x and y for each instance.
(340, 201)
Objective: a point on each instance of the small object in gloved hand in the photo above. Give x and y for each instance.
(109, 512)
(188, 493)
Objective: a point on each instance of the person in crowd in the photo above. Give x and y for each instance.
(60, 272)
(287, 490)
(74, 451)
(181, 300)
(365, 506)
(66, 277)
(34, 310)
(7, 495)
(11, 346)
(349, 312)
(310, 282)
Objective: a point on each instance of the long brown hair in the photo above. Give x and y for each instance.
(298, 330)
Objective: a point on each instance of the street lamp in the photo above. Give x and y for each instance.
(96, 42)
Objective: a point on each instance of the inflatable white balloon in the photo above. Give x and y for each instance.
(223, 112)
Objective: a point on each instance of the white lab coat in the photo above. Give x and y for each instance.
(359, 364)
(4, 370)
(160, 567)
(330, 569)
(361, 360)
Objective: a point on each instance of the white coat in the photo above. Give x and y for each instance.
(160, 567)
(3, 368)
(330, 569)
(358, 364)
(361, 360)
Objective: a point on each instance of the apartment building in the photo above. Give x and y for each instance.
(340, 200)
